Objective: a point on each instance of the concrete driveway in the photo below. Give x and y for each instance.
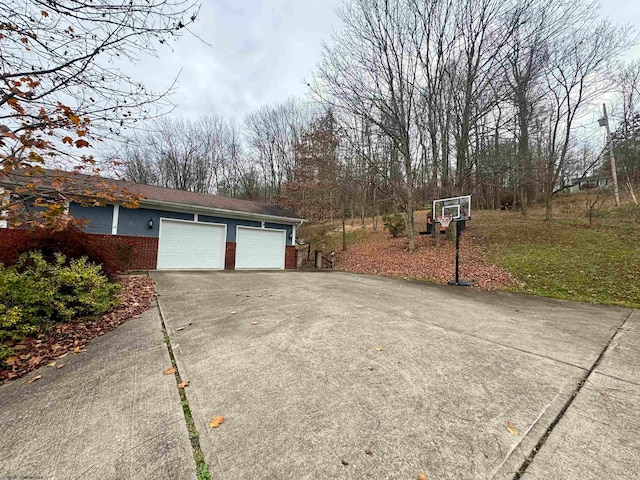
(332, 375)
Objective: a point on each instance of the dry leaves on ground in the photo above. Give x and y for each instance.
(63, 338)
(380, 254)
(183, 384)
(170, 371)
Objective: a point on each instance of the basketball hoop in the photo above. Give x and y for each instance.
(445, 220)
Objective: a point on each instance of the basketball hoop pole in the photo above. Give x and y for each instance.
(457, 281)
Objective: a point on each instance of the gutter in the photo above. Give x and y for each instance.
(219, 212)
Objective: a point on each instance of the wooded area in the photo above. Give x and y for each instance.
(416, 100)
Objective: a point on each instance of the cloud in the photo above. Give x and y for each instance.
(258, 52)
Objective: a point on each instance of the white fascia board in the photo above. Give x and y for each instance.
(221, 212)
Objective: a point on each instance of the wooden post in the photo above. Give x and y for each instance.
(318, 259)
(435, 232)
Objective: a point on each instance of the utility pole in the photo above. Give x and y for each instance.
(614, 175)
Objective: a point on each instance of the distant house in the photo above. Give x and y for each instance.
(174, 229)
(588, 183)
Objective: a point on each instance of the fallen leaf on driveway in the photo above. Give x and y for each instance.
(511, 428)
(33, 379)
(78, 349)
(179, 328)
(60, 365)
(368, 451)
(169, 371)
(378, 349)
(369, 367)
(63, 355)
(254, 323)
(233, 313)
(422, 476)
(345, 463)
(51, 364)
(183, 384)
(217, 421)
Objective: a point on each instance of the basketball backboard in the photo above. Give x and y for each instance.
(453, 208)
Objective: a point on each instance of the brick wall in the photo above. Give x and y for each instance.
(135, 253)
(290, 257)
(141, 253)
(132, 253)
(230, 256)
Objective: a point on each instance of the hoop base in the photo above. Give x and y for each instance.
(461, 283)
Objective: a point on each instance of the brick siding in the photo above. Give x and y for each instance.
(230, 256)
(290, 257)
(137, 253)
(134, 253)
(141, 253)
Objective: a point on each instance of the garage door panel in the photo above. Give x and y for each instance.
(260, 248)
(189, 245)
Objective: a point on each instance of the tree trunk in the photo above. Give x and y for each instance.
(344, 231)
(548, 211)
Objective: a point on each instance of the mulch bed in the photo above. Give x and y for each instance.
(382, 255)
(71, 338)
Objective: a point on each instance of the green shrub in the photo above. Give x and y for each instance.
(34, 293)
(394, 223)
(5, 352)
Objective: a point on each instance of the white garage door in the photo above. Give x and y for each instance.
(258, 248)
(189, 245)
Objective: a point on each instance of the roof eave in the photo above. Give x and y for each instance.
(219, 211)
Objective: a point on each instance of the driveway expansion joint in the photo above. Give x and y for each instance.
(202, 468)
(529, 458)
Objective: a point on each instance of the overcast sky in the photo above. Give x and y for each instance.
(261, 53)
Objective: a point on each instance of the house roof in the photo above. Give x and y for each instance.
(152, 196)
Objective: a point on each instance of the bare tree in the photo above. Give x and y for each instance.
(271, 134)
(575, 77)
(370, 72)
(198, 156)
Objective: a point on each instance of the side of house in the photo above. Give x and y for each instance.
(174, 229)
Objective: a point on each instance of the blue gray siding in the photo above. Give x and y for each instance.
(100, 218)
(135, 221)
(232, 223)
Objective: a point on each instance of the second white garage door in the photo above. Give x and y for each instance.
(190, 245)
(260, 248)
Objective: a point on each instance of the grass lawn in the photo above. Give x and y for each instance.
(562, 258)
(565, 257)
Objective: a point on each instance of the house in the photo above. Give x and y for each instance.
(175, 229)
(587, 183)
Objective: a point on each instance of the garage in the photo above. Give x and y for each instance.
(260, 248)
(191, 245)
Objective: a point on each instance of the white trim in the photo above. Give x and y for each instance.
(4, 214)
(67, 205)
(293, 236)
(262, 226)
(284, 237)
(195, 217)
(224, 241)
(114, 219)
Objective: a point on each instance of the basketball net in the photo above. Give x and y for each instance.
(445, 220)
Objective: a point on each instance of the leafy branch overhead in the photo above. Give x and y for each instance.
(61, 88)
